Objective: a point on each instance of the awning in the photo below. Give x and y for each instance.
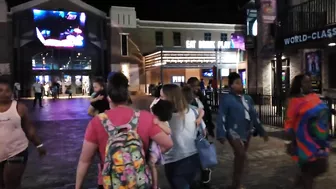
(192, 59)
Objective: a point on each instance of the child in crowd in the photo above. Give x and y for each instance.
(189, 96)
(98, 100)
(163, 111)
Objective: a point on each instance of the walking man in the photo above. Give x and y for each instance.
(38, 88)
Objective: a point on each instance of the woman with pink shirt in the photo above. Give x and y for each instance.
(120, 114)
(16, 130)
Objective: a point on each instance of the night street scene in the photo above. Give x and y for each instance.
(167, 94)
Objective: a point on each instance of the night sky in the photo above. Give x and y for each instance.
(211, 11)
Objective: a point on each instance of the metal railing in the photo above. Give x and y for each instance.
(308, 16)
(267, 106)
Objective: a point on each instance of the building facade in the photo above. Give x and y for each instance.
(304, 34)
(148, 52)
(171, 52)
(39, 37)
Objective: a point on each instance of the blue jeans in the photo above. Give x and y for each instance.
(181, 174)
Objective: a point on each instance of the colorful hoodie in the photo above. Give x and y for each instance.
(307, 118)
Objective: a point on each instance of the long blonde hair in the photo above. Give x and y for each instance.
(175, 96)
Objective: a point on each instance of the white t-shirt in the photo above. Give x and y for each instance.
(183, 135)
(37, 88)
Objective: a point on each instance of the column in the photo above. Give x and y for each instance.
(5, 42)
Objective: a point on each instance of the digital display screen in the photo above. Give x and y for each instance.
(238, 41)
(60, 28)
(207, 73)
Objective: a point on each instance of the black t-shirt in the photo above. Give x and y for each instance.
(101, 105)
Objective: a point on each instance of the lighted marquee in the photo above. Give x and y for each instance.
(237, 42)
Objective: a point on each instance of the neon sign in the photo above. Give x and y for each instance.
(191, 44)
(233, 44)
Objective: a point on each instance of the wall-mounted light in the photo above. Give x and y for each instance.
(125, 69)
(332, 44)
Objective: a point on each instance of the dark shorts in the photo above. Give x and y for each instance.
(315, 168)
(19, 158)
(100, 187)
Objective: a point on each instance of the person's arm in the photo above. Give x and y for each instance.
(255, 118)
(92, 100)
(92, 111)
(95, 99)
(221, 119)
(289, 122)
(90, 147)
(29, 129)
(162, 139)
(199, 119)
(163, 125)
(27, 125)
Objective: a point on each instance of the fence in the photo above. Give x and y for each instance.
(271, 108)
(310, 15)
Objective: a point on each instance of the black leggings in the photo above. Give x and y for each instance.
(18, 159)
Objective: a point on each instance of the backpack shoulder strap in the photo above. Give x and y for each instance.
(106, 123)
(135, 119)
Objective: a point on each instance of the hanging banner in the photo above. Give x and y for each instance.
(313, 67)
(268, 11)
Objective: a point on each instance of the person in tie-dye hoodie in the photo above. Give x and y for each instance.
(307, 128)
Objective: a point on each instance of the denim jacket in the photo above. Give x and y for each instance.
(232, 120)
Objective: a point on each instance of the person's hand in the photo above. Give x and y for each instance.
(42, 151)
(198, 122)
(221, 140)
(205, 132)
(156, 121)
(100, 97)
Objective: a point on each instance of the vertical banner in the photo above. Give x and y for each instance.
(268, 11)
(313, 67)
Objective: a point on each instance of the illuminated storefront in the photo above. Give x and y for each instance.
(60, 46)
(197, 59)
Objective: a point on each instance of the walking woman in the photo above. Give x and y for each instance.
(182, 161)
(16, 130)
(96, 137)
(307, 128)
(236, 121)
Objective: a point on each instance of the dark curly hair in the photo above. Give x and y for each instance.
(163, 109)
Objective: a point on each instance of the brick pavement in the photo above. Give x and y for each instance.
(61, 124)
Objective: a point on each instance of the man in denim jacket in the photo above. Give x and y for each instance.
(236, 120)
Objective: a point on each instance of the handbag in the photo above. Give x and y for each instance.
(206, 150)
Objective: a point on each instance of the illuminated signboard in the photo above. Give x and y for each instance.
(192, 44)
(236, 43)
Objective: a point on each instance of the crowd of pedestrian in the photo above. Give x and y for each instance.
(135, 133)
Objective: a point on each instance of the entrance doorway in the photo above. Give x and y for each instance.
(285, 77)
(82, 84)
(77, 84)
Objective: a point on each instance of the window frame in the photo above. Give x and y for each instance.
(175, 35)
(156, 38)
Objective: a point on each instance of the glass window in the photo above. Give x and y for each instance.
(177, 39)
(159, 38)
(223, 37)
(207, 36)
(124, 45)
(62, 60)
(242, 56)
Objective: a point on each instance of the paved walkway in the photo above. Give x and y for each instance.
(61, 124)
